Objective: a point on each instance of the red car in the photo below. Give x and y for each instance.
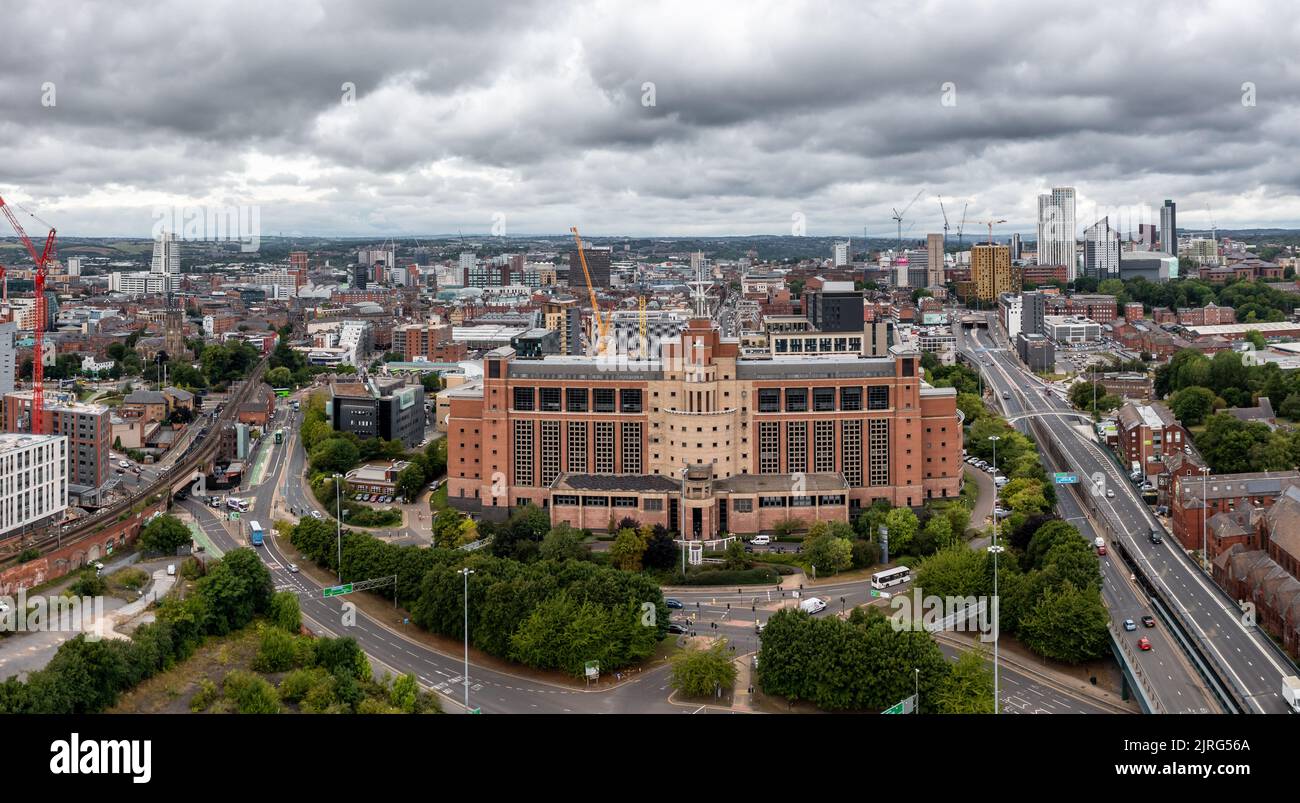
(1144, 643)
(1101, 550)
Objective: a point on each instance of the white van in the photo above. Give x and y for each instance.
(812, 605)
(761, 540)
(171, 570)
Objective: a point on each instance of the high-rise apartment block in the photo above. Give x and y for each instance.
(1056, 229)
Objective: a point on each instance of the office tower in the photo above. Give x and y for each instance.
(1169, 228)
(934, 260)
(563, 432)
(598, 260)
(1016, 246)
(842, 254)
(74, 266)
(1033, 308)
(360, 276)
(1101, 251)
(991, 271)
(166, 255)
(1056, 229)
(1148, 238)
(835, 307)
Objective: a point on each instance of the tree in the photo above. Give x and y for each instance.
(235, 590)
(699, 673)
(829, 553)
(279, 377)
(1290, 407)
(1066, 624)
(968, 688)
(627, 550)
(285, 612)
(734, 555)
(1192, 404)
(410, 482)
(164, 534)
(661, 551)
(564, 543)
(334, 455)
(902, 524)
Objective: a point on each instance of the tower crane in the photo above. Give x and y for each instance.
(961, 244)
(898, 217)
(945, 221)
(595, 306)
(39, 260)
(991, 224)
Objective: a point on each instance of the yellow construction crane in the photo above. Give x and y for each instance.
(595, 306)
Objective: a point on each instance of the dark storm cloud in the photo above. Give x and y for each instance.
(534, 110)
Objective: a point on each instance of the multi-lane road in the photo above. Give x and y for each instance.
(1251, 666)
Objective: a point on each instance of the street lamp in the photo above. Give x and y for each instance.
(1205, 509)
(916, 687)
(996, 550)
(465, 573)
(995, 440)
(338, 523)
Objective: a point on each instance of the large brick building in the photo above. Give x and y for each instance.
(701, 441)
(1225, 493)
(88, 428)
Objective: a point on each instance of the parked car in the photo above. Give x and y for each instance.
(761, 540)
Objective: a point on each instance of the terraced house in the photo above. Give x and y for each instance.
(700, 440)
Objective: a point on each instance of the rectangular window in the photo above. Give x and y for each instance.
(796, 446)
(578, 447)
(769, 400)
(604, 402)
(575, 400)
(550, 450)
(823, 400)
(742, 505)
(878, 397)
(625, 501)
(604, 446)
(878, 451)
(652, 504)
(523, 398)
(824, 446)
(769, 447)
(523, 453)
(771, 501)
(630, 400)
(851, 446)
(595, 501)
(850, 398)
(796, 400)
(550, 400)
(631, 447)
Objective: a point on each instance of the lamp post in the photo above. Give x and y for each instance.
(1205, 509)
(995, 550)
(465, 573)
(338, 523)
(916, 688)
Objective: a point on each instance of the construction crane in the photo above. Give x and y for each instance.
(39, 260)
(961, 244)
(898, 218)
(991, 224)
(945, 222)
(595, 306)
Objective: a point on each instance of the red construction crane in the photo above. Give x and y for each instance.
(40, 260)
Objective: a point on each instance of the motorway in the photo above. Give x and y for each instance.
(1243, 655)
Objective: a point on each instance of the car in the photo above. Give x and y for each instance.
(315, 514)
(1155, 536)
(673, 602)
(761, 540)
(1129, 624)
(758, 626)
(120, 470)
(171, 570)
(293, 567)
(1110, 494)
(677, 629)
(1006, 395)
(1144, 644)
(1101, 550)
(123, 464)
(1148, 621)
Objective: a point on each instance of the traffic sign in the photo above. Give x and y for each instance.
(234, 516)
(904, 706)
(1066, 478)
(338, 591)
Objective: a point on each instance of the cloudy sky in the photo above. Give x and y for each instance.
(646, 118)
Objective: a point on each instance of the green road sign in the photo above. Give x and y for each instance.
(894, 709)
(905, 706)
(476, 710)
(234, 516)
(338, 591)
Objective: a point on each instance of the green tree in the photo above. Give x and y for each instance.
(1192, 404)
(335, 455)
(1067, 624)
(829, 553)
(902, 524)
(234, 590)
(698, 673)
(968, 688)
(627, 550)
(410, 482)
(564, 543)
(164, 534)
(250, 694)
(279, 377)
(285, 611)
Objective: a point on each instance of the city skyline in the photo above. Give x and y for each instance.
(394, 120)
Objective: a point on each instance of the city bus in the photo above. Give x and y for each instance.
(279, 436)
(891, 577)
(255, 533)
